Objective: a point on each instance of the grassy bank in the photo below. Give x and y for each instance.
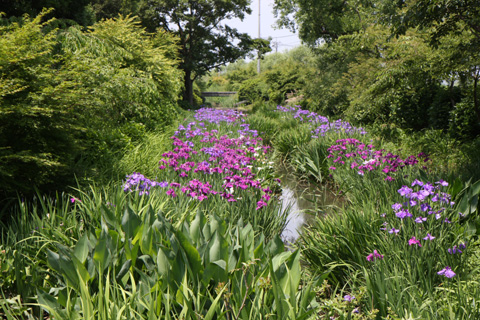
(405, 242)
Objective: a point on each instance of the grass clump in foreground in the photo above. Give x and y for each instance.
(405, 243)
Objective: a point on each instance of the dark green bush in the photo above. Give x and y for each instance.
(70, 101)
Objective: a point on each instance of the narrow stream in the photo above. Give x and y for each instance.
(303, 201)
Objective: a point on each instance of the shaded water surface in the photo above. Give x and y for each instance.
(303, 202)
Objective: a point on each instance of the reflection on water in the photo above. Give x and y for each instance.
(302, 201)
(296, 217)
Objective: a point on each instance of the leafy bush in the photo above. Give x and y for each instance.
(71, 100)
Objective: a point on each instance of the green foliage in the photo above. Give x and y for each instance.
(70, 103)
(252, 90)
(69, 12)
(206, 42)
(110, 253)
(378, 66)
(37, 132)
(464, 124)
(283, 75)
(404, 283)
(288, 140)
(319, 21)
(309, 160)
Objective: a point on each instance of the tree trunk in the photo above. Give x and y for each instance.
(188, 93)
(475, 98)
(450, 89)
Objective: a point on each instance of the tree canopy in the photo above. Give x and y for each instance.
(411, 63)
(206, 41)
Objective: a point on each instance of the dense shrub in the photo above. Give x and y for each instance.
(70, 100)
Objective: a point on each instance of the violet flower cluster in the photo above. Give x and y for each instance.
(365, 158)
(422, 216)
(138, 182)
(320, 124)
(217, 116)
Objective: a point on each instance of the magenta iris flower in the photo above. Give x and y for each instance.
(447, 272)
(374, 255)
(171, 192)
(261, 204)
(414, 241)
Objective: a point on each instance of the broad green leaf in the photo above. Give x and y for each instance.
(163, 263)
(259, 250)
(109, 216)
(146, 243)
(147, 261)
(81, 270)
(194, 259)
(130, 223)
(218, 248)
(196, 226)
(101, 255)
(475, 188)
(51, 304)
(275, 246)
(63, 264)
(82, 248)
(277, 292)
(123, 270)
(221, 263)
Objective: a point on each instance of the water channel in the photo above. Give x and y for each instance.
(304, 202)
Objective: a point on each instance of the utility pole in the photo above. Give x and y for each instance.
(275, 44)
(258, 58)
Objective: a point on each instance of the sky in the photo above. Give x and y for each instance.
(282, 39)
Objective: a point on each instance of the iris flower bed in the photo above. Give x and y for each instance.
(217, 158)
(320, 125)
(363, 158)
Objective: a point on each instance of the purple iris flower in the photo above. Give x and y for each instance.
(442, 183)
(396, 206)
(429, 237)
(417, 182)
(447, 272)
(393, 230)
(402, 214)
(425, 207)
(420, 220)
(405, 191)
